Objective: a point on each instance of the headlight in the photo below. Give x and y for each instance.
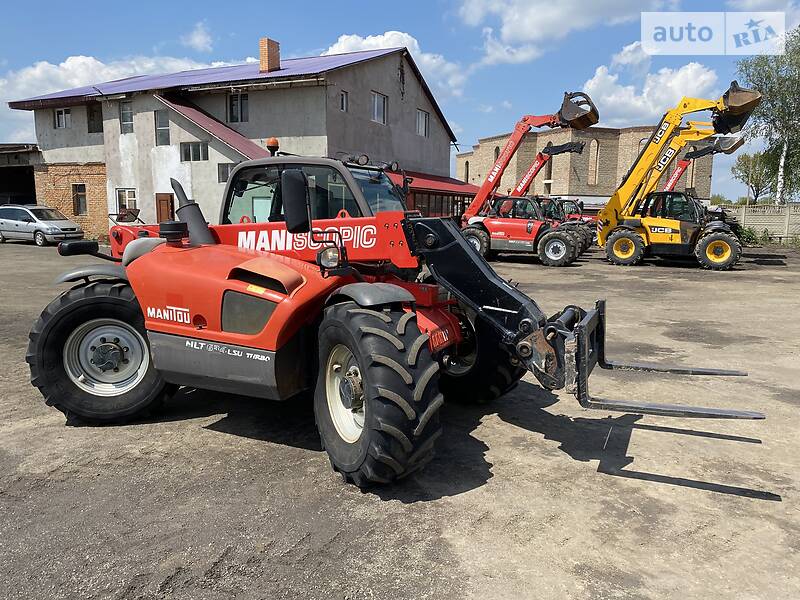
(328, 258)
(53, 229)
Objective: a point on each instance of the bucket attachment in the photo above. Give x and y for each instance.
(739, 104)
(576, 147)
(720, 145)
(578, 111)
(584, 347)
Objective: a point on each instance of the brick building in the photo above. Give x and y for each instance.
(591, 176)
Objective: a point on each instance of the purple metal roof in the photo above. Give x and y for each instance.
(233, 139)
(290, 68)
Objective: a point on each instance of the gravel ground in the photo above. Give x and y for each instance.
(530, 497)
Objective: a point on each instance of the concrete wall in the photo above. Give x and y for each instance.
(72, 145)
(354, 132)
(134, 161)
(296, 116)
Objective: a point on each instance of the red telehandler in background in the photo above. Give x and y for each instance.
(488, 231)
(564, 215)
(721, 145)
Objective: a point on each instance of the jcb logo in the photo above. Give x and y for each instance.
(665, 159)
(660, 133)
(663, 230)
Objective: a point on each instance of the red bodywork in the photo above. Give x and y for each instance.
(676, 175)
(199, 276)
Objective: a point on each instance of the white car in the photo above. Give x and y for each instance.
(39, 224)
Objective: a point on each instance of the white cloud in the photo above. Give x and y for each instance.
(624, 105)
(526, 27)
(632, 55)
(486, 108)
(445, 77)
(791, 8)
(45, 77)
(199, 38)
(505, 104)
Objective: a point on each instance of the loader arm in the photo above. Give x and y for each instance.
(577, 112)
(524, 184)
(729, 114)
(560, 351)
(724, 145)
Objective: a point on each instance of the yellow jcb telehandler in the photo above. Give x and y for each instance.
(638, 221)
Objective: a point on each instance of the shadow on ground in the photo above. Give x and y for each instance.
(460, 464)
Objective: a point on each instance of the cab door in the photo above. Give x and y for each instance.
(671, 219)
(515, 225)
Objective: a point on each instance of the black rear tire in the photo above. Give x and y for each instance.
(718, 251)
(624, 247)
(399, 382)
(491, 373)
(68, 314)
(557, 248)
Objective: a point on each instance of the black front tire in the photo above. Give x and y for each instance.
(401, 399)
(624, 247)
(479, 239)
(50, 334)
(490, 375)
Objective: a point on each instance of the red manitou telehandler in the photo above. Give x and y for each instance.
(521, 231)
(555, 210)
(317, 281)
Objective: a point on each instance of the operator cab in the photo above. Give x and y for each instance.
(335, 188)
(671, 205)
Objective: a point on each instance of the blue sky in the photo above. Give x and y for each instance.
(489, 61)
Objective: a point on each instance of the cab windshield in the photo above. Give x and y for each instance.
(379, 191)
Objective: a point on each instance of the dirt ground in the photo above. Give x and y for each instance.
(531, 497)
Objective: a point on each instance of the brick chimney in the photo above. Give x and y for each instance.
(269, 53)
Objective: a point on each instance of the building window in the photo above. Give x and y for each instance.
(194, 151)
(162, 127)
(63, 118)
(423, 123)
(94, 117)
(238, 111)
(496, 153)
(344, 101)
(594, 161)
(379, 102)
(466, 171)
(78, 198)
(126, 117)
(126, 199)
(224, 171)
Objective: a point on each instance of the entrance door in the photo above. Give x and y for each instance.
(165, 207)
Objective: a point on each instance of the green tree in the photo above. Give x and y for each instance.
(777, 118)
(754, 170)
(717, 199)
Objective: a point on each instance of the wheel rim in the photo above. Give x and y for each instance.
(106, 357)
(555, 250)
(344, 389)
(464, 356)
(718, 251)
(624, 248)
(39, 239)
(474, 242)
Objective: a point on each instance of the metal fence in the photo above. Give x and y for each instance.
(782, 222)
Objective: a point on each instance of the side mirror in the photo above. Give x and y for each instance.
(294, 193)
(580, 205)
